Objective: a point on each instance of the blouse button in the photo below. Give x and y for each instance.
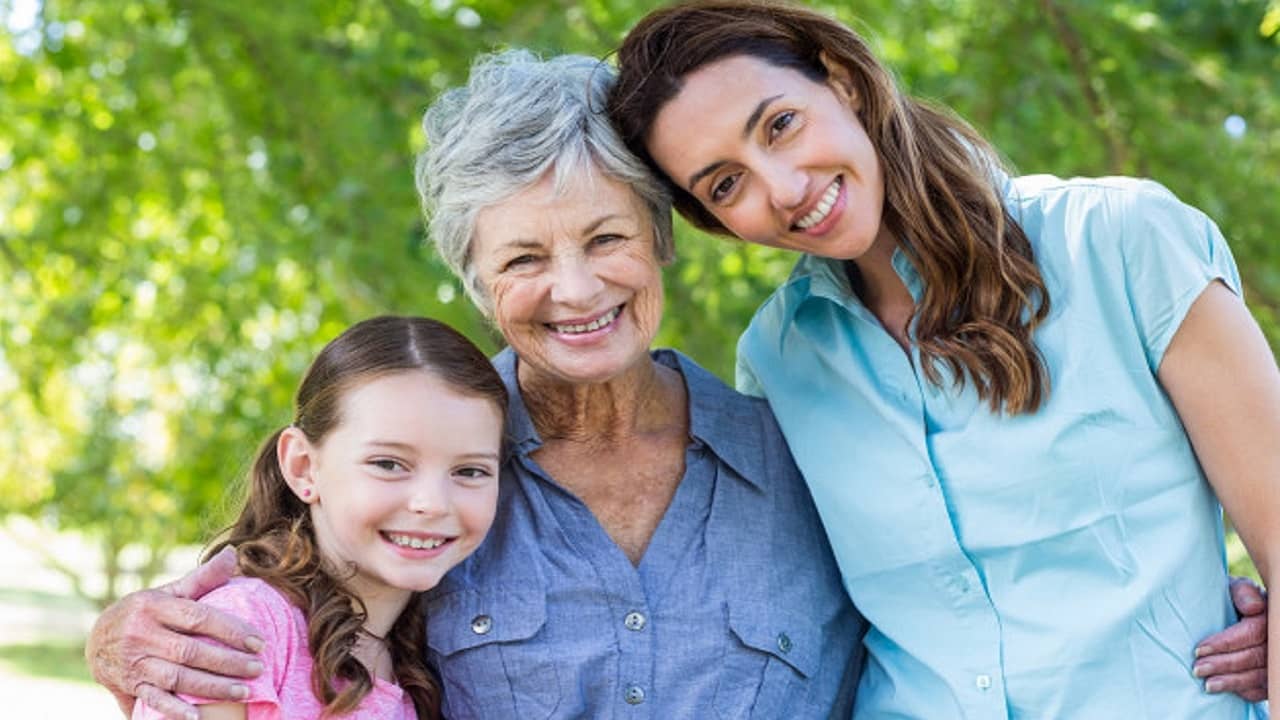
(634, 695)
(983, 682)
(784, 643)
(634, 621)
(481, 624)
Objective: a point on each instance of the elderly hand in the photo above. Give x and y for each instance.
(1235, 660)
(145, 645)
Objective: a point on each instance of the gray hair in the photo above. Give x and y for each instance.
(517, 118)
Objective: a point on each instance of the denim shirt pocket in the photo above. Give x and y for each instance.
(770, 654)
(490, 651)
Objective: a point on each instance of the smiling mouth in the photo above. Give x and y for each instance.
(414, 542)
(580, 328)
(823, 208)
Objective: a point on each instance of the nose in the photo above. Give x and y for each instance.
(787, 184)
(430, 497)
(575, 282)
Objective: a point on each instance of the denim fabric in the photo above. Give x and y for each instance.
(1058, 564)
(735, 611)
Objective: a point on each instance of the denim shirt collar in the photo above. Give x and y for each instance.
(715, 413)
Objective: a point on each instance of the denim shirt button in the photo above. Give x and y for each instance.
(784, 643)
(481, 624)
(634, 621)
(634, 695)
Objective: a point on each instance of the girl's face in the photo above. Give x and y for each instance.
(779, 159)
(405, 486)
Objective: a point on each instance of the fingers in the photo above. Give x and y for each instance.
(164, 677)
(193, 653)
(1249, 685)
(1240, 662)
(166, 704)
(210, 575)
(1248, 598)
(1235, 660)
(192, 618)
(1248, 632)
(134, 644)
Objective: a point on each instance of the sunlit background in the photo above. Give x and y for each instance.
(196, 194)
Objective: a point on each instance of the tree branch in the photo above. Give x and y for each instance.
(1103, 116)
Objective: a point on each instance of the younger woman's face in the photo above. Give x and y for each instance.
(779, 159)
(406, 485)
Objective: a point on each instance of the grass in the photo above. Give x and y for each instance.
(58, 661)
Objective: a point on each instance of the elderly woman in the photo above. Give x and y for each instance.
(655, 553)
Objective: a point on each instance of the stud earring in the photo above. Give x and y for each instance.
(306, 493)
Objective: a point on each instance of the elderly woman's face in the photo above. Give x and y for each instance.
(574, 284)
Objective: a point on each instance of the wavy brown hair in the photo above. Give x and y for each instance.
(983, 293)
(274, 537)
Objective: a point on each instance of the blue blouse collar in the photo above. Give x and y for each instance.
(720, 419)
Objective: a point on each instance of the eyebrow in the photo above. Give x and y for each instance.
(404, 447)
(747, 128)
(590, 228)
(409, 448)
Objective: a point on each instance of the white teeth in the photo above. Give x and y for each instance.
(588, 327)
(819, 213)
(416, 543)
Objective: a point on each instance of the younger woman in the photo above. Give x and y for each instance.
(1014, 399)
(386, 479)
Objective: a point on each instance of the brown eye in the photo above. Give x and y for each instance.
(605, 239)
(723, 187)
(516, 262)
(780, 123)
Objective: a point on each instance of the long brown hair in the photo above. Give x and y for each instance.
(274, 537)
(983, 293)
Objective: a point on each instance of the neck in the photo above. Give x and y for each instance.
(384, 608)
(645, 398)
(882, 290)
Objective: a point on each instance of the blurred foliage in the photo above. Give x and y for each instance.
(196, 194)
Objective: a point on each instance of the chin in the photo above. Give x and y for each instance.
(592, 371)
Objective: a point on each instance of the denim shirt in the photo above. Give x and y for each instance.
(736, 609)
(1055, 564)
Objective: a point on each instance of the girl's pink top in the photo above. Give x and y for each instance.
(283, 690)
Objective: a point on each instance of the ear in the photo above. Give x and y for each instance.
(841, 81)
(297, 458)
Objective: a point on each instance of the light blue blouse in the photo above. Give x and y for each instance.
(1054, 565)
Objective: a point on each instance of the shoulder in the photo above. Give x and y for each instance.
(739, 429)
(260, 604)
(1093, 205)
(811, 278)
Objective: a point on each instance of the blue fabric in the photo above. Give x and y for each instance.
(1059, 564)
(743, 611)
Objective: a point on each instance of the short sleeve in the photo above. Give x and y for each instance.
(270, 613)
(1172, 252)
(745, 380)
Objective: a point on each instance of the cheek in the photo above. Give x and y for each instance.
(512, 302)
(477, 508)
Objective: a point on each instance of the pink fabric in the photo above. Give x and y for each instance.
(283, 690)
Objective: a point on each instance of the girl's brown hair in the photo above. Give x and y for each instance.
(274, 537)
(983, 293)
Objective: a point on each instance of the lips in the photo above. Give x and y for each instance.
(822, 209)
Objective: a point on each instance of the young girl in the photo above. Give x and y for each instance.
(386, 479)
(1014, 399)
